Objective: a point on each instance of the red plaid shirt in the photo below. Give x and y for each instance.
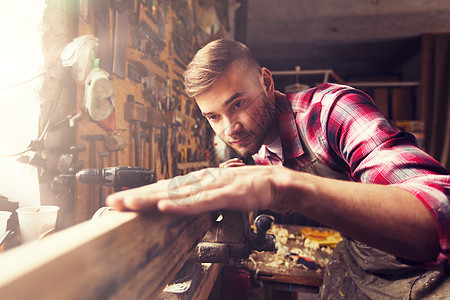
(350, 135)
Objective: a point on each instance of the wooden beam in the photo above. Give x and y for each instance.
(385, 84)
(118, 256)
(326, 72)
(425, 75)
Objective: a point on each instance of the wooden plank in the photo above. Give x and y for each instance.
(120, 254)
(196, 286)
(306, 278)
(206, 285)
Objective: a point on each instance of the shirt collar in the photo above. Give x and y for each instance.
(289, 136)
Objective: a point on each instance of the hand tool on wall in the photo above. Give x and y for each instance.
(115, 142)
(163, 149)
(102, 31)
(83, 10)
(68, 121)
(120, 38)
(120, 178)
(98, 94)
(147, 41)
(67, 163)
(174, 151)
(136, 70)
(93, 139)
(102, 187)
(136, 113)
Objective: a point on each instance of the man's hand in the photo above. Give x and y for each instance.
(234, 162)
(245, 188)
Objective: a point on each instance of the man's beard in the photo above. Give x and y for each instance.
(249, 150)
(255, 143)
(265, 122)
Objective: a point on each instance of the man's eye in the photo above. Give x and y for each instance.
(238, 104)
(213, 117)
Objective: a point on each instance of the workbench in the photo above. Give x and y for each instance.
(277, 271)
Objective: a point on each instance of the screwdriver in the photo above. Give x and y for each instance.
(309, 263)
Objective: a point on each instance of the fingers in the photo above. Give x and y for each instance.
(115, 202)
(234, 162)
(180, 195)
(180, 190)
(202, 201)
(138, 199)
(201, 191)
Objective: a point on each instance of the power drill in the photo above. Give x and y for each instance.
(120, 178)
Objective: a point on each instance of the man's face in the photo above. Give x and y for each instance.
(240, 109)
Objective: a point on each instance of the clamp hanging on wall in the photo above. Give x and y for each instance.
(98, 97)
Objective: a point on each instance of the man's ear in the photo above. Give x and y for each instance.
(267, 80)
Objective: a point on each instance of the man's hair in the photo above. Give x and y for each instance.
(212, 61)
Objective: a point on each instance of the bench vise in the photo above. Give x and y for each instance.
(233, 237)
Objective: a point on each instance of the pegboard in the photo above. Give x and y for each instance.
(145, 47)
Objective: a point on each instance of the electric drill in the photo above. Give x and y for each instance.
(120, 178)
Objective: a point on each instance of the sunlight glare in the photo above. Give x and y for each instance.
(20, 60)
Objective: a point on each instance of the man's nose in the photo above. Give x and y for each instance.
(232, 128)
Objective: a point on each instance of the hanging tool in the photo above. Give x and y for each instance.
(103, 32)
(83, 10)
(98, 94)
(120, 38)
(136, 70)
(93, 139)
(102, 187)
(163, 149)
(66, 162)
(136, 113)
(174, 151)
(115, 142)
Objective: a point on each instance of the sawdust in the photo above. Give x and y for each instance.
(314, 244)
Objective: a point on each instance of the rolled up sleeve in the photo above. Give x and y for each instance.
(434, 192)
(375, 151)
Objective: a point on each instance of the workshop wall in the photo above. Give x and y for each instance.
(58, 115)
(144, 46)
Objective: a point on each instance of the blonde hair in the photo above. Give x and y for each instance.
(212, 61)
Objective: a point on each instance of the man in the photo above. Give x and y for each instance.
(326, 153)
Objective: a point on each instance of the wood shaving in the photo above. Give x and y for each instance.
(322, 237)
(315, 244)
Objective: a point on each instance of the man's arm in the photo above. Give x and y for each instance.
(385, 217)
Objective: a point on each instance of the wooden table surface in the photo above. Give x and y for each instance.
(276, 268)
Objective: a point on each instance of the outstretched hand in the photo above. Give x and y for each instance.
(245, 188)
(234, 162)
